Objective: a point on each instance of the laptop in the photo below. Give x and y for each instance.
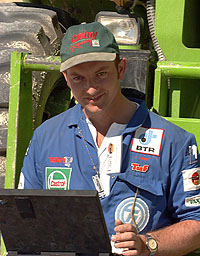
(52, 222)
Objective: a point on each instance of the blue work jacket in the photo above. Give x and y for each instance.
(159, 159)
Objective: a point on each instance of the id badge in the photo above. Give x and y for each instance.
(114, 155)
(98, 186)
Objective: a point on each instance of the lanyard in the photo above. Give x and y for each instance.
(98, 184)
(95, 178)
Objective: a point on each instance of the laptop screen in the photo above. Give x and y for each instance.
(35, 221)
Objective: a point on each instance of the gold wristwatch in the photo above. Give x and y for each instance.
(151, 244)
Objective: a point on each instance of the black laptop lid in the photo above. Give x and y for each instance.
(35, 221)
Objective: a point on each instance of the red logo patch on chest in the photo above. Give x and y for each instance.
(139, 168)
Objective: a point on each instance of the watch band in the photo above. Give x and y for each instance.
(151, 244)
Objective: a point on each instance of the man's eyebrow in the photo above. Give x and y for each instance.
(101, 69)
(74, 73)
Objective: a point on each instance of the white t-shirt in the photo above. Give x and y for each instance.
(109, 153)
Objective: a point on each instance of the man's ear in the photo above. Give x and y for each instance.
(122, 68)
(65, 75)
(66, 79)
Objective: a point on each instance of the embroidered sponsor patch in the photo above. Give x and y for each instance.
(65, 160)
(191, 180)
(139, 168)
(95, 43)
(58, 178)
(192, 201)
(147, 141)
(79, 39)
(68, 160)
(144, 158)
(140, 213)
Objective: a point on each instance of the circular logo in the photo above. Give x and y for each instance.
(57, 180)
(140, 212)
(195, 178)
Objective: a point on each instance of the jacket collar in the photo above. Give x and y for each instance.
(75, 115)
(139, 118)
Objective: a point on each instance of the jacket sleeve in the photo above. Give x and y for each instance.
(31, 175)
(184, 187)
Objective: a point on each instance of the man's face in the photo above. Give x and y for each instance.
(96, 85)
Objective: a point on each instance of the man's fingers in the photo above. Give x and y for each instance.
(127, 244)
(127, 236)
(121, 228)
(118, 222)
(130, 253)
(128, 247)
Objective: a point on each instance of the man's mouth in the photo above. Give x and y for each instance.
(95, 98)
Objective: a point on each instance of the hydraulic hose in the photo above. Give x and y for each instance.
(150, 7)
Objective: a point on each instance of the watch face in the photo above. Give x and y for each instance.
(152, 243)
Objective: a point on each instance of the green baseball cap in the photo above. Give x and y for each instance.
(87, 42)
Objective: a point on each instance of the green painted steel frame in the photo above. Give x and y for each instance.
(20, 125)
(172, 69)
(20, 103)
(178, 99)
(169, 25)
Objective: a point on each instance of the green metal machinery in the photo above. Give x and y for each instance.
(165, 57)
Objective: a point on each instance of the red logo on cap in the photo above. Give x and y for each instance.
(89, 36)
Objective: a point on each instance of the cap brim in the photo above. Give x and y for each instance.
(86, 57)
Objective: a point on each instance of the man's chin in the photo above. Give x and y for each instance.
(92, 110)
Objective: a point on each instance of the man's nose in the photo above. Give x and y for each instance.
(91, 84)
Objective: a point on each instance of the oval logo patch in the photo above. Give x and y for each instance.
(140, 213)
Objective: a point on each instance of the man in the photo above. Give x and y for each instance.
(142, 166)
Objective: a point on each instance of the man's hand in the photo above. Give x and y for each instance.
(128, 239)
(177, 239)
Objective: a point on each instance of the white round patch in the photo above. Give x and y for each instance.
(140, 213)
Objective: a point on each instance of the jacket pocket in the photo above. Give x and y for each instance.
(147, 184)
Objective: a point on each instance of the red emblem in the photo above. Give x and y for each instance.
(195, 178)
(82, 38)
(110, 148)
(139, 168)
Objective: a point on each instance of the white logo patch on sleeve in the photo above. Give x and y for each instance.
(191, 179)
(192, 201)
